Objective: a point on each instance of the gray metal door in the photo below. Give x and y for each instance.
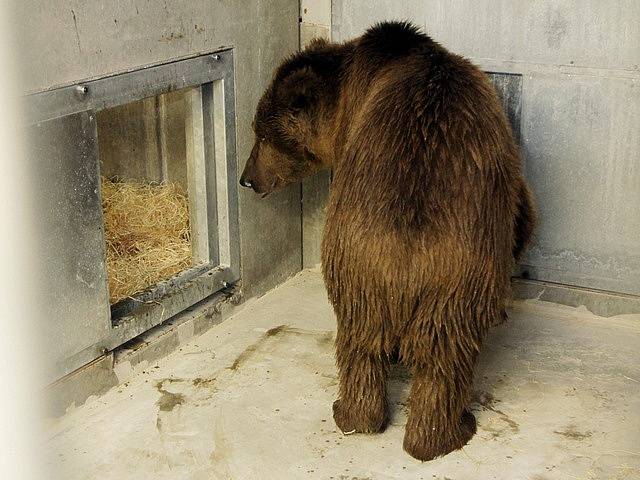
(64, 154)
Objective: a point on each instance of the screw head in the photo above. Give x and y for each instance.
(81, 90)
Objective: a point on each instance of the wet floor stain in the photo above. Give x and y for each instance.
(325, 339)
(487, 402)
(571, 432)
(203, 382)
(272, 332)
(251, 349)
(168, 400)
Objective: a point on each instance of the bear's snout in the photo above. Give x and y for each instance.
(245, 183)
(252, 175)
(249, 180)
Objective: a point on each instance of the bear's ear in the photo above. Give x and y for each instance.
(299, 90)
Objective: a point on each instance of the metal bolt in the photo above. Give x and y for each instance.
(81, 90)
(215, 56)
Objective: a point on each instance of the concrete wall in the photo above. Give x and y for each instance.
(315, 16)
(580, 117)
(64, 41)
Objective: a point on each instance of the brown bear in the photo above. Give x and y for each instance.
(428, 212)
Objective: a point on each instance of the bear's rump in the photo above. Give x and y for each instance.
(385, 294)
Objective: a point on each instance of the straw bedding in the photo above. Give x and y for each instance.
(147, 234)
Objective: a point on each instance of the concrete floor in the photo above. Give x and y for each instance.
(557, 397)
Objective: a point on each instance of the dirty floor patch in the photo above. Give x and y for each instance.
(557, 396)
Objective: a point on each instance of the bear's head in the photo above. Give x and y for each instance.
(291, 121)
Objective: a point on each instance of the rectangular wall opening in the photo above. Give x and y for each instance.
(154, 209)
(144, 192)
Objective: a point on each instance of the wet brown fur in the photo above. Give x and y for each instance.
(428, 212)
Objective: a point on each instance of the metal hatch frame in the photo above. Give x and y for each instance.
(214, 173)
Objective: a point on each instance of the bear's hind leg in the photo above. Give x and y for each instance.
(439, 421)
(362, 406)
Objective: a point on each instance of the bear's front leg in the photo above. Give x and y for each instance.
(438, 421)
(362, 406)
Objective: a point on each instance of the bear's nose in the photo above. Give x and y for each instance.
(245, 183)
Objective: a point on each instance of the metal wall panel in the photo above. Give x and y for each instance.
(509, 89)
(582, 148)
(581, 33)
(315, 22)
(64, 154)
